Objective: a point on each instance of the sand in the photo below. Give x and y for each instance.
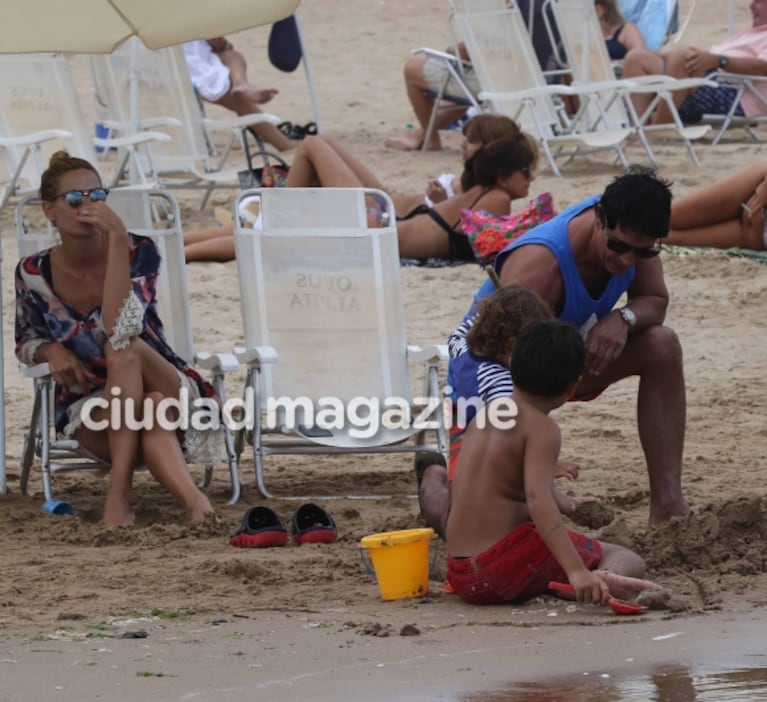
(173, 580)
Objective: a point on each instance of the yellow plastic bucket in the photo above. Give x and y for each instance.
(400, 561)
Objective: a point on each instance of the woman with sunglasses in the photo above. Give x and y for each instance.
(581, 263)
(323, 161)
(726, 214)
(87, 307)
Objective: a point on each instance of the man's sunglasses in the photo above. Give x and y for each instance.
(621, 247)
(75, 198)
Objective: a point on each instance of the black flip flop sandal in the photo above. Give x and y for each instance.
(261, 527)
(313, 525)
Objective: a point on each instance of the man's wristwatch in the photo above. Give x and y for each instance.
(723, 61)
(628, 316)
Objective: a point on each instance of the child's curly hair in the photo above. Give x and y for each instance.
(501, 317)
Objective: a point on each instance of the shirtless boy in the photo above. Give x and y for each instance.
(506, 537)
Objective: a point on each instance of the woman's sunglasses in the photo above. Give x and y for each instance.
(621, 247)
(75, 198)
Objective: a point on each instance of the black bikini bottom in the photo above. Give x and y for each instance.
(460, 248)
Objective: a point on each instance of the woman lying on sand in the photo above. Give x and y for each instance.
(322, 161)
(730, 213)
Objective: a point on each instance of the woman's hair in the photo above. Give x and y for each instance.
(613, 14)
(486, 128)
(498, 159)
(61, 162)
(501, 317)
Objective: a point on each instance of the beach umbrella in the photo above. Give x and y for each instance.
(99, 26)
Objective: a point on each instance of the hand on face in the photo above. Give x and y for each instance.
(101, 217)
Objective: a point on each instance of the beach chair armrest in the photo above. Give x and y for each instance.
(241, 122)
(653, 83)
(216, 361)
(258, 355)
(536, 92)
(130, 139)
(36, 137)
(442, 55)
(39, 370)
(430, 354)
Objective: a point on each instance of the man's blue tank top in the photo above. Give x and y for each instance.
(579, 305)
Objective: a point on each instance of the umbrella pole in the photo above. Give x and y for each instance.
(309, 77)
(3, 486)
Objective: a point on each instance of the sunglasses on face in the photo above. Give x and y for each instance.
(526, 171)
(75, 198)
(621, 247)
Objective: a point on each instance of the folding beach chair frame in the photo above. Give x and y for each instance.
(288, 216)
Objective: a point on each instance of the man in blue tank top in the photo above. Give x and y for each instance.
(581, 262)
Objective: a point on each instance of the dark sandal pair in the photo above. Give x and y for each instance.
(297, 131)
(262, 527)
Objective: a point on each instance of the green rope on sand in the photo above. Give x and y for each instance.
(758, 256)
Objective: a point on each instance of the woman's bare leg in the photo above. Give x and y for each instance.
(416, 87)
(166, 462)
(718, 202)
(195, 237)
(132, 373)
(317, 163)
(713, 215)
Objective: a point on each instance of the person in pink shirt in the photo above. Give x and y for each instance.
(744, 53)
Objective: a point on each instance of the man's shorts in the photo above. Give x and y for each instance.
(518, 567)
(709, 101)
(435, 73)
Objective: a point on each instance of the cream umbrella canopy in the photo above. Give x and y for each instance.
(99, 26)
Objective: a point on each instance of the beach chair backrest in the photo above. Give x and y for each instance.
(505, 62)
(152, 213)
(37, 96)
(586, 55)
(137, 84)
(322, 288)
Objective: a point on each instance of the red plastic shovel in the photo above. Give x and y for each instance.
(617, 606)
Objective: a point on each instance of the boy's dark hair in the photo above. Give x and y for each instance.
(639, 201)
(498, 159)
(501, 317)
(547, 358)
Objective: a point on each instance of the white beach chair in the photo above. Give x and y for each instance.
(40, 114)
(151, 90)
(151, 213)
(589, 63)
(324, 328)
(513, 84)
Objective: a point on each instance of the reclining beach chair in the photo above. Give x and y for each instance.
(151, 213)
(754, 85)
(586, 56)
(151, 90)
(324, 328)
(40, 114)
(513, 84)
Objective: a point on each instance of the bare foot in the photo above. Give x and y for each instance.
(661, 514)
(199, 510)
(259, 96)
(412, 141)
(624, 587)
(117, 510)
